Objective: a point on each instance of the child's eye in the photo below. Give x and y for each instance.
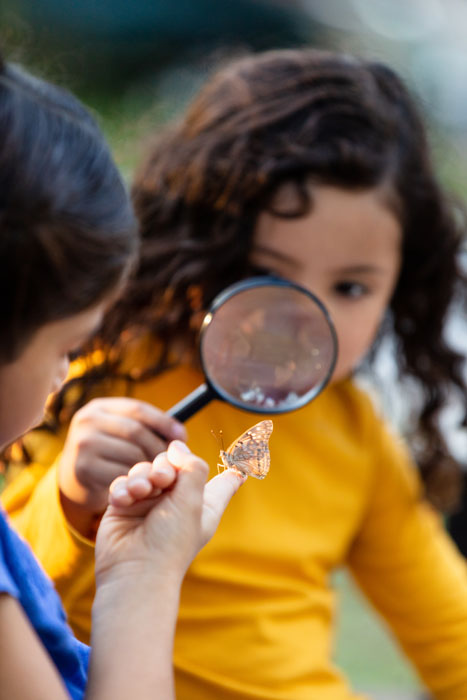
(353, 290)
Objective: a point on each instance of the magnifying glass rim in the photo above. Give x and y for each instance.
(252, 283)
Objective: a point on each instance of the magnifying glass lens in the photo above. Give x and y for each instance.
(271, 348)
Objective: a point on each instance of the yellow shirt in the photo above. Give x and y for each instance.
(257, 609)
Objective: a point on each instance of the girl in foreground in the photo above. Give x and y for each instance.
(312, 166)
(67, 241)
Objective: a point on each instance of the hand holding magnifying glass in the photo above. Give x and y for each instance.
(266, 345)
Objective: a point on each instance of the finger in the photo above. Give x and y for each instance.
(140, 469)
(152, 417)
(139, 484)
(119, 496)
(129, 430)
(190, 466)
(145, 479)
(217, 494)
(121, 503)
(160, 474)
(102, 474)
(163, 474)
(117, 449)
(140, 488)
(136, 486)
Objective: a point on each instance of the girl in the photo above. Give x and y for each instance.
(312, 166)
(67, 241)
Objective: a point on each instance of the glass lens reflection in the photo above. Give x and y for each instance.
(269, 347)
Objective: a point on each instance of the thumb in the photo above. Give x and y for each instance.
(217, 494)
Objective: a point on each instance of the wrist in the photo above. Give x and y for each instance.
(80, 490)
(128, 592)
(142, 574)
(83, 519)
(133, 624)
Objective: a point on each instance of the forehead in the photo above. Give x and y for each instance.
(346, 225)
(63, 332)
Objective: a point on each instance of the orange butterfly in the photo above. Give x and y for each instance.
(249, 454)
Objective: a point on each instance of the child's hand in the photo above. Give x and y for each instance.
(105, 438)
(160, 515)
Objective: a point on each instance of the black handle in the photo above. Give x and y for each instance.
(192, 403)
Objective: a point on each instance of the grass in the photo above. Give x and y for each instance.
(365, 649)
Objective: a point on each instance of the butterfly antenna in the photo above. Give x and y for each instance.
(220, 441)
(218, 438)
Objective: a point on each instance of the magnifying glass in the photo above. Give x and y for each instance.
(266, 345)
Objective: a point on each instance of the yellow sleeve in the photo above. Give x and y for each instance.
(411, 571)
(32, 501)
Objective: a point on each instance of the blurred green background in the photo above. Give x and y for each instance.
(136, 64)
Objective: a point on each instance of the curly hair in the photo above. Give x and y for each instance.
(295, 116)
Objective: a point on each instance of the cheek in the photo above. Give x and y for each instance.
(355, 338)
(24, 389)
(38, 388)
(20, 409)
(60, 375)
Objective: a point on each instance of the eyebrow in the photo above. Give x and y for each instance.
(283, 257)
(344, 270)
(360, 269)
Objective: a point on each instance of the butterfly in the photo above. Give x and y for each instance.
(249, 454)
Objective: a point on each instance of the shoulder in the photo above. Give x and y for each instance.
(356, 416)
(394, 466)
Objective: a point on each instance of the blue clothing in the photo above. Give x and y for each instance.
(22, 578)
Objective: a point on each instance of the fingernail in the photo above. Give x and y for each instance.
(141, 481)
(182, 446)
(162, 456)
(178, 431)
(119, 491)
(160, 465)
(166, 471)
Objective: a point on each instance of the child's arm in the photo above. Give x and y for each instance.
(26, 669)
(406, 564)
(142, 553)
(159, 517)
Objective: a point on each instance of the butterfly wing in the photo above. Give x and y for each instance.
(250, 452)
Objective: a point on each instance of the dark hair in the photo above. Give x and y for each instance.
(291, 117)
(67, 228)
